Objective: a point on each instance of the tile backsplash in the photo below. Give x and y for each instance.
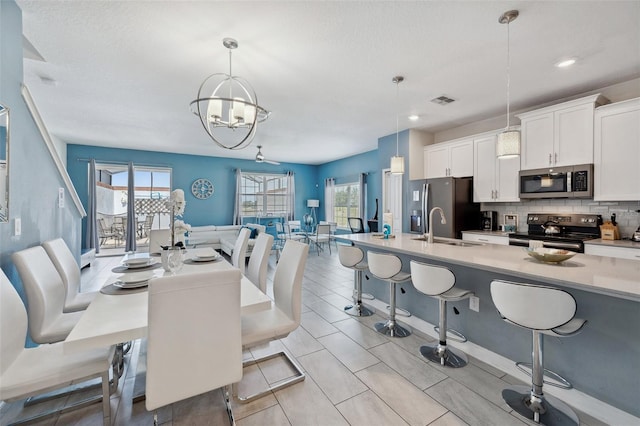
(626, 212)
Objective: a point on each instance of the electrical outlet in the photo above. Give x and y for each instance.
(474, 303)
(60, 198)
(17, 226)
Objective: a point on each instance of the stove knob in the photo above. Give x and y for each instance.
(584, 220)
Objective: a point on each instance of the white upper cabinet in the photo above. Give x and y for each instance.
(559, 135)
(494, 180)
(449, 159)
(617, 152)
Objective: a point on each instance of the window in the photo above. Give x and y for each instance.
(346, 203)
(263, 195)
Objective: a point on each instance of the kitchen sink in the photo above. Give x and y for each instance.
(451, 242)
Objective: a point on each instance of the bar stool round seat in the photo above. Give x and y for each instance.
(543, 310)
(439, 282)
(388, 267)
(353, 258)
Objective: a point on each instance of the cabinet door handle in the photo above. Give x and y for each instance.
(555, 161)
(483, 239)
(549, 158)
(496, 194)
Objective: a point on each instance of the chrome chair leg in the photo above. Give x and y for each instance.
(441, 353)
(357, 309)
(298, 377)
(391, 328)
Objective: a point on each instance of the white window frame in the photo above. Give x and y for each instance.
(274, 209)
(336, 216)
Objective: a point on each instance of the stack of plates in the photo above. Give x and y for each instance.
(134, 280)
(138, 262)
(205, 257)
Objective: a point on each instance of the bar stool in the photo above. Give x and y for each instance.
(438, 282)
(389, 268)
(543, 310)
(352, 257)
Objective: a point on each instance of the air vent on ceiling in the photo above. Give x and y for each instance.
(442, 100)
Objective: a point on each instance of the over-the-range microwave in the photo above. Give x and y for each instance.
(557, 182)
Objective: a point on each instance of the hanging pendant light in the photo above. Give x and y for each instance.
(228, 107)
(397, 162)
(508, 144)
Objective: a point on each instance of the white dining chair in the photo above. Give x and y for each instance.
(69, 271)
(26, 372)
(45, 296)
(184, 317)
(259, 261)
(282, 318)
(322, 236)
(239, 253)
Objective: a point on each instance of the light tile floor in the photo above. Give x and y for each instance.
(355, 376)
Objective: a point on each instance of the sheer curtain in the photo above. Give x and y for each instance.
(291, 196)
(329, 198)
(131, 210)
(91, 241)
(237, 220)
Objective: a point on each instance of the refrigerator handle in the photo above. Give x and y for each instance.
(425, 205)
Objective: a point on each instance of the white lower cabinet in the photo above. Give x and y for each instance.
(487, 239)
(610, 251)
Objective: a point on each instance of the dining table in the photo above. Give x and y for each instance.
(115, 318)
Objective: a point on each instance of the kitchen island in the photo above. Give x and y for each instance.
(602, 361)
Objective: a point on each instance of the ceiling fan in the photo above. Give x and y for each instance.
(260, 158)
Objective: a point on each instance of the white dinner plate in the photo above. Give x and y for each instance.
(136, 277)
(138, 263)
(131, 285)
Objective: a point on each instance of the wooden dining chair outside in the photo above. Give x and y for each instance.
(69, 271)
(282, 318)
(45, 296)
(239, 253)
(259, 261)
(26, 372)
(185, 314)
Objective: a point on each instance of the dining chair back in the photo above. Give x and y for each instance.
(45, 296)
(238, 256)
(295, 225)
(259, 261)
(356, 225)
(183, 310)
(32, 371)
(323, 235)
(69, 271)
(105, 233)
(282, 318)
(158, 238)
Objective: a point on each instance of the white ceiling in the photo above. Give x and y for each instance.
(124, 72)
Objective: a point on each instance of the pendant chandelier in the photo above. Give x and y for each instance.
(228, 107)
(508, 144)
(397, 162)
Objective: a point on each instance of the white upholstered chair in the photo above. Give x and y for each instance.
(284, 315)
(69, 271)
(26, 372)
(45, 296)
(158, 238)
(189, 350)
(322, 236)
(352, 257)
(259, 261)
(238, 256)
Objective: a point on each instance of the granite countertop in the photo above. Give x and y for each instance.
(615, 243)
(598, 274)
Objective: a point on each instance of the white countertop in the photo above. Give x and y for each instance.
(597, 274)
(615, 243)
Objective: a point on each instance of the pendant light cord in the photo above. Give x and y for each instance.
(508, 75)
(397, 117)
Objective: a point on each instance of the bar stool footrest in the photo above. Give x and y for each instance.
(452, 334)
(554, 378)
(400, 311)
(368, 296)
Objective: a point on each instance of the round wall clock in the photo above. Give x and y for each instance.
(202, 188)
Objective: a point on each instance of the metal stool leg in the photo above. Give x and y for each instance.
(445, 356)
(531, 402)
(357, 309)
(391, 328)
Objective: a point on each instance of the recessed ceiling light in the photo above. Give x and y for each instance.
(566, 63)
(413, 117)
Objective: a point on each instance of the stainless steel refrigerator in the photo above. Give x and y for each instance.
(453, 195)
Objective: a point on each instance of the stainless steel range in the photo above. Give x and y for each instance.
(562, 231)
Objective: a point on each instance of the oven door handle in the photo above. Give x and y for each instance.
(515, 241)
(563, 245)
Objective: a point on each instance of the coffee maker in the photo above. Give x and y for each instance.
(489, 220)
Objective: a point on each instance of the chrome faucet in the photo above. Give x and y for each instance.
(442, 221)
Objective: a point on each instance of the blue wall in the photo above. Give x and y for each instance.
(217, 209)
(33, 177)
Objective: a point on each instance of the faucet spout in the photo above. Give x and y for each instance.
(442, 221)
